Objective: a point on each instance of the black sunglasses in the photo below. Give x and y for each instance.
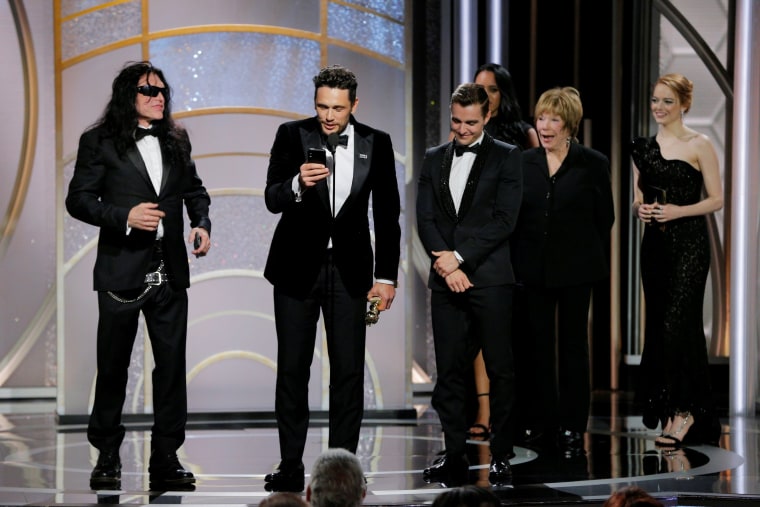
(151, 91)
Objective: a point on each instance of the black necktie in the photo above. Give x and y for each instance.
(141, 132)
(343, 140)
(459, 149)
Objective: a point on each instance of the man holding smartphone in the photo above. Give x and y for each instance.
(321, 258)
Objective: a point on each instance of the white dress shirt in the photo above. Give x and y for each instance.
(150, 151)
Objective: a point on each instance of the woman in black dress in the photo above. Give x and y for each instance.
(506, 124)
(671, 171)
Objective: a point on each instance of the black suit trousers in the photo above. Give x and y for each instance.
(553, 355)
(296, 323)
(165, 312)
(462, 322)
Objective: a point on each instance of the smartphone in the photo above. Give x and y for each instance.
(317, 156)
(197, 243)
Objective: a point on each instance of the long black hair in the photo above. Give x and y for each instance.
(508, 124)
(119, 119)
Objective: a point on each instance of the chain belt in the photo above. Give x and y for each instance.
(152, 279)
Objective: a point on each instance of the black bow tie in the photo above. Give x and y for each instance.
(459, 149)
(342, 140)
(141, 132)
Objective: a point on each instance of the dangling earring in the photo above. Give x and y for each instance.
(567, 142)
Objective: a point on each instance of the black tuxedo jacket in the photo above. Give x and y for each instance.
(563, 233)
(299, 245)
(106, 186)
(480, 231)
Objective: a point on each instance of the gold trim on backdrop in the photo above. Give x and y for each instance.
(90, 10)
(362, 8)
(229, 354)
(29, 137)
(236, 110)
(108, 48)
(146, 37)
(323, 46)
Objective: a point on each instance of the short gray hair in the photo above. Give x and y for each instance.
(337, 480)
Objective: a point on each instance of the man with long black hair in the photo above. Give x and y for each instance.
(132, 175)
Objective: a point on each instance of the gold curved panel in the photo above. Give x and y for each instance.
(236, 110)
(29, 138)
(193, 30)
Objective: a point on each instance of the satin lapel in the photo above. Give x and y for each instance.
(134, 156)
(474, 177)
(166, 168)
(362, 162)
(313, 139)
(444, 191)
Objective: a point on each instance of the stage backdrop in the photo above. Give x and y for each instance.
(238, 69)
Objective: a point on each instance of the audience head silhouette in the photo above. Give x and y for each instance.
(632, 496)
(467, 496)
(337, 480)
(284, 499)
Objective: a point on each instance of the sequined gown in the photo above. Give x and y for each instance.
(675, 260)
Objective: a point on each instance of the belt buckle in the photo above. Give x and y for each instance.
(155, 278)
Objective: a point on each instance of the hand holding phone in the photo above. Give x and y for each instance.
(310, 176)
(197, 243)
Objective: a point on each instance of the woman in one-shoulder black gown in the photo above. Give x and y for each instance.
(671, 171)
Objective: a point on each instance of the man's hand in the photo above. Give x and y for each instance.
(446, 263)
(458, 281)
(386, 292)
(312, 173)
(205, 241)
(145, 216)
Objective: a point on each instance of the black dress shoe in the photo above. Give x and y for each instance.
(500, 472)
(165, 470)
(450, 470)
(570, 442)
(532, 437)
(107, 471)
(286, 478)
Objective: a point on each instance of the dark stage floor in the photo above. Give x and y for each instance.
(47, 464)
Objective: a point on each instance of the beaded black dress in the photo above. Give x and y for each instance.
(675, 261)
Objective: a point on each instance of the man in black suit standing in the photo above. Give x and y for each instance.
(468, 199)
(321, 258)
(132, 175)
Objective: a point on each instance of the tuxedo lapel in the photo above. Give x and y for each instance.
(474, 177)
(444, 191)
(165, 169)
(362, 152)
(134, 156)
